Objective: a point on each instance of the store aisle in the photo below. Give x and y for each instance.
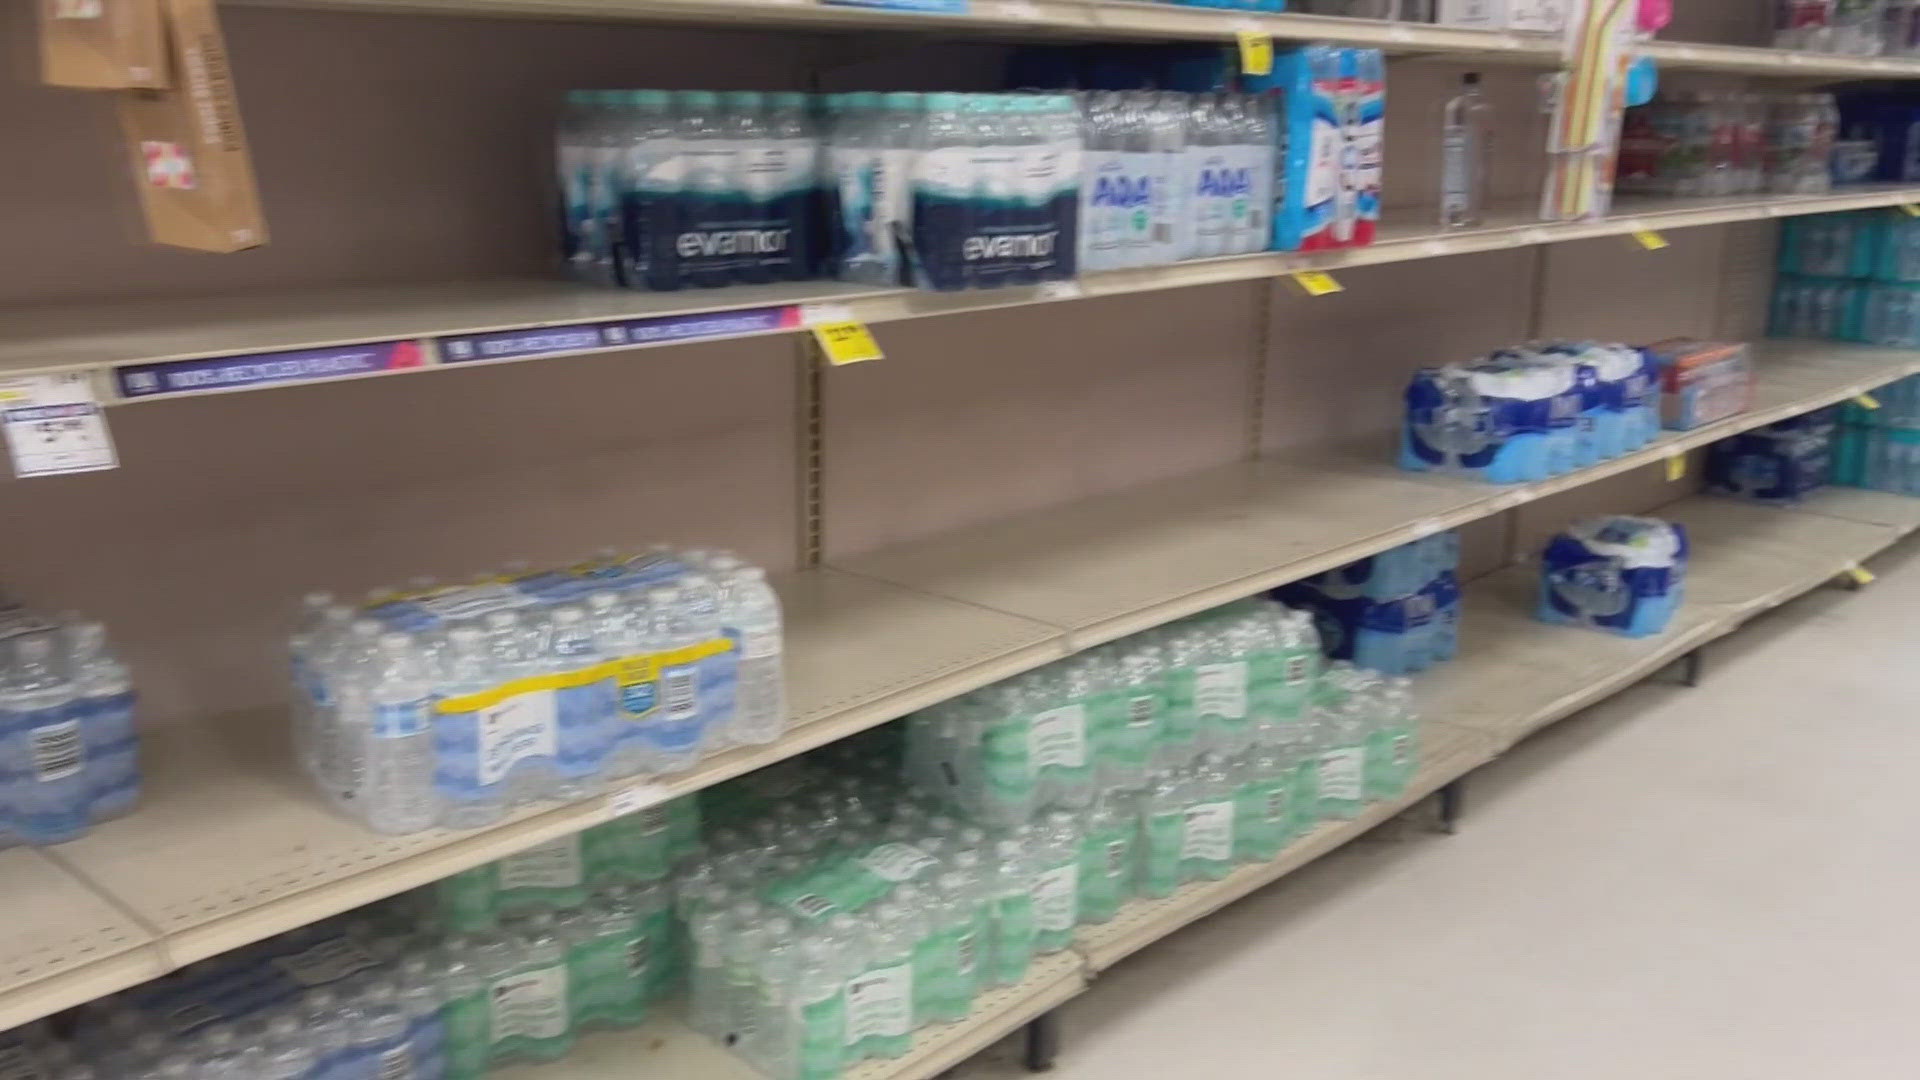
(1702, 884)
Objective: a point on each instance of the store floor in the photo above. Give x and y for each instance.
(1721, 882)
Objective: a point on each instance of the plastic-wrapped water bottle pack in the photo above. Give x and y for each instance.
(69, 749)
(1779, 464)
(1530, 413)
(1624, 575)
(1879, 448)
(1397, 612)
(1849, 277)
(449, 706)
(499, 965)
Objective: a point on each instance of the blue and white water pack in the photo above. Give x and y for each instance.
(1620, 574)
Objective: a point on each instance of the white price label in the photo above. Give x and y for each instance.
(879, 1002)
(54, 426)
(815, 314)
(532, 1004)
(1207, 832)
(634, 799)
(1221, 690)
(1056, 899)
(1058, 737)
(1340, 773)
(896, 862)
(514, 730)
(549, 866)
(1061, 290)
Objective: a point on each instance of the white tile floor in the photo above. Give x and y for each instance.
(1710, 883)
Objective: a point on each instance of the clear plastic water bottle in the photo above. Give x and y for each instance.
(584, 704)
(400, 797)
(1162, 826)
(1055, 854)
(1207, 828)
(880, 998)
(106, 714)
(753, 612)
(42, 746)
(944, 181)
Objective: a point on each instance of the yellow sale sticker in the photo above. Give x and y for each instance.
(1860, 574)
(1866, 401)
(1317, 282)
(847, 342)
(1650, 240)
(1256, 53)
(1910, 209)
(1676, 467)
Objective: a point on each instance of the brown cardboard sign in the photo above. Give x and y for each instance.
(102, 44)
(187, 144)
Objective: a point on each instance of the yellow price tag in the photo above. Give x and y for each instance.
(847, 342)
(1650, 240)
(1860, 575)
(1866, 401)
(1910, 209)
(1256, 53)
(1317, 282)
(1676, 467)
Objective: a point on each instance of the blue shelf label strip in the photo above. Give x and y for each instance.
(620, 334)
(266, 369)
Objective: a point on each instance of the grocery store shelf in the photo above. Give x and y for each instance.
(665, 1047)
(154, 350)
(61, 943)
(1074, 20)
(1109, 566)
(231, 843)
(1516, 675)
(1778, 63)
(1447, 752)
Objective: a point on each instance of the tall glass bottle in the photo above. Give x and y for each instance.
(1466, 131)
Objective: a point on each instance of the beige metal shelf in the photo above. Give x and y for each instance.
(62, 943)
(1516, 675)
(1779, 63)
(284, 339)
(1109, 566)
(232, 846)
(665, 1047)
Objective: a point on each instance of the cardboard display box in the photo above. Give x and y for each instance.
(103, 44)
(187, 144)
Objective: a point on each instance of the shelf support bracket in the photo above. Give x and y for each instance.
(1453, 798)
(1042, 1041)
(809, 432)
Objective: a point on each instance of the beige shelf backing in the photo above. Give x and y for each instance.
(1112, 565)
(665, 1047)
(61, 943)
(1447, 752)
(100, 337)
(231, 844)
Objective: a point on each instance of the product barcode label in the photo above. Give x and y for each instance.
(1140, 710)
(1298, 668)
(811, 906)
(1402, 749)
(396, 1064)
(1116, 857)
(966, 954)
(680, 689)
(653, 819)
(639, 955)
(1276, 804)
(760, 644)
(896, 862)
(57, 751)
